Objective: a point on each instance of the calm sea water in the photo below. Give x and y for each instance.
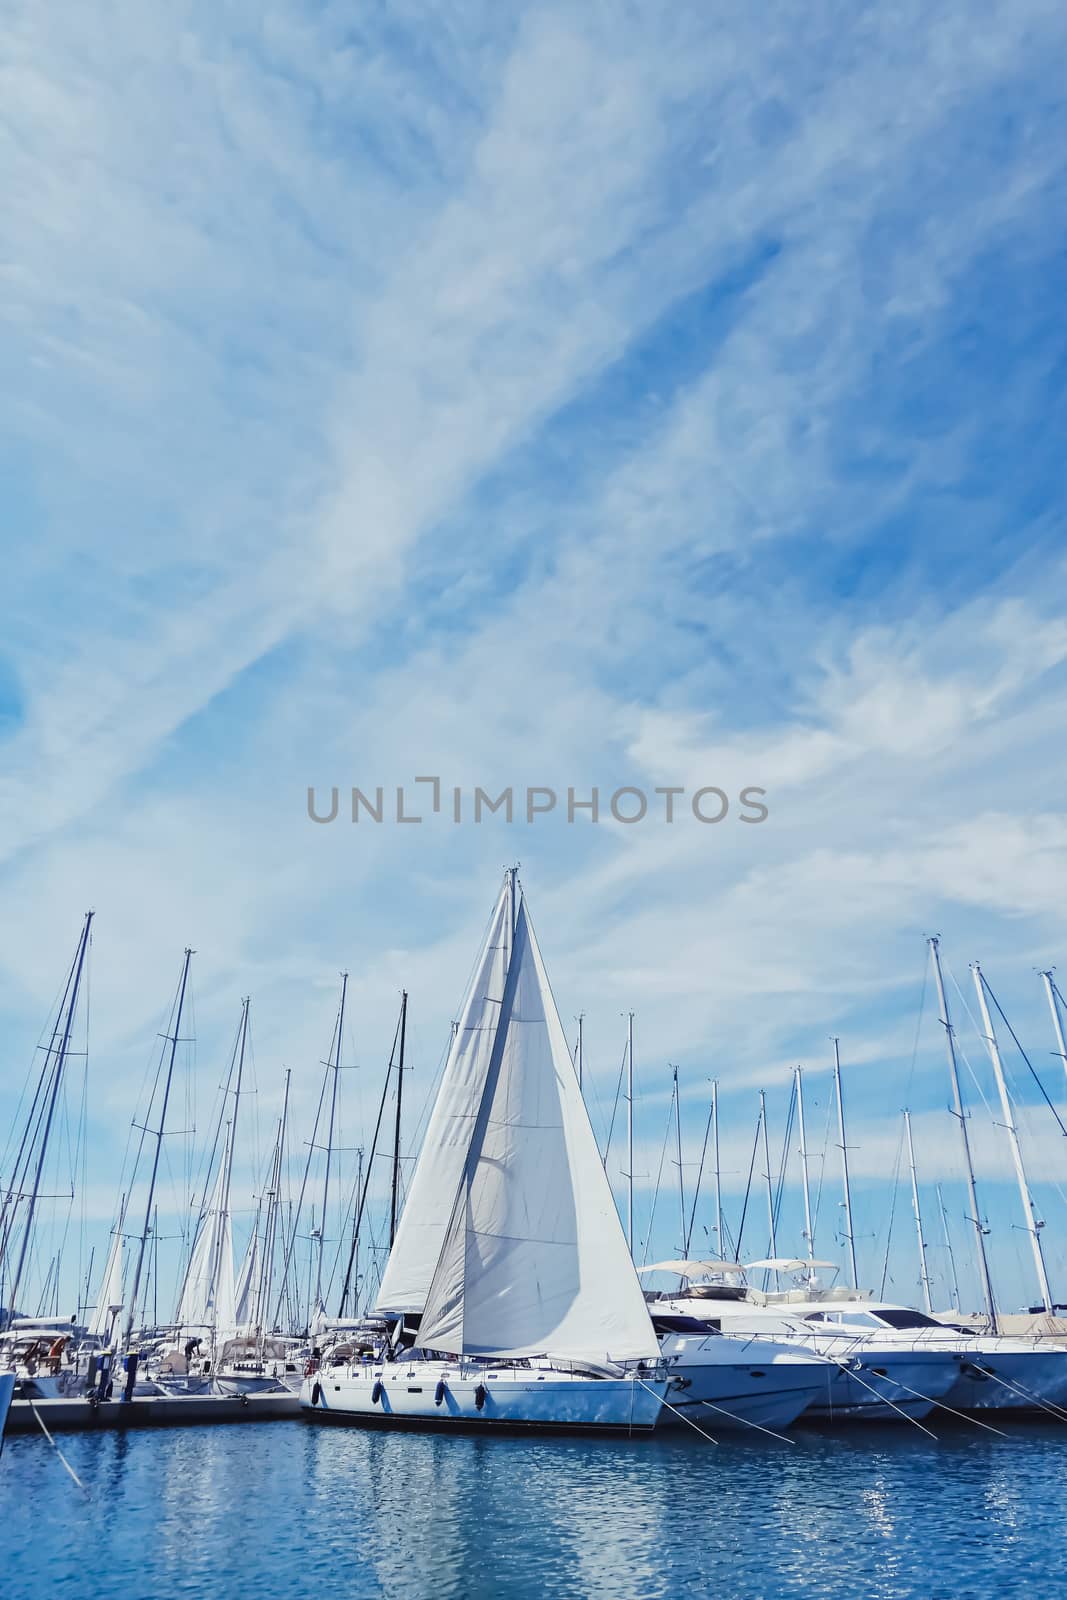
(309, 1513)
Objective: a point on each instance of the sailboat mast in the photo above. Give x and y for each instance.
(630, 1131)
(767, 1176)
(844, 1165)
(171, 1039)
(1057, 1021)
(678, 1134)
(1033, 1225)
(270, 1228)
(581, 1062)
(924, 1276)
(396, 1130)
(329, 1135)
(948, 1247)
(961, 1118)
(688, 1235)
(57, 1081)
(798, 1079)
(718, 1171)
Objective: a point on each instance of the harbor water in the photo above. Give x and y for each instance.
(303, 1511)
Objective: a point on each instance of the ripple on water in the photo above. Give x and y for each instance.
(308, 1512)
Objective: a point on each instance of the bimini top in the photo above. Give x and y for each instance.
(784, 1264)
(692, 1269)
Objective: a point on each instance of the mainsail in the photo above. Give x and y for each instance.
(532, 1258)
(421, 1231)
(110, 1298)
(207, 1298)
(246, 1311)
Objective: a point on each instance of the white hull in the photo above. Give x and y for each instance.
(238, 1383)
(7, 1389)
(886, 1387)
(733, 1383)
(445, 1394)
(1015, 1380)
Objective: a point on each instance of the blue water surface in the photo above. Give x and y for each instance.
(290, 1509)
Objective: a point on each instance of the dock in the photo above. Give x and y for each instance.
(148, 1411)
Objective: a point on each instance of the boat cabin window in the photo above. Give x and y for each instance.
(848, 1319)
(906, 1319)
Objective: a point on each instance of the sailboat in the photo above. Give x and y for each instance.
(110, 1299)
(511, 1294)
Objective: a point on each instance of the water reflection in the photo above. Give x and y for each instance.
(251, 1511)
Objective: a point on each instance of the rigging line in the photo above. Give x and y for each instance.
(748, 1186)
(918, 1029)
(892, 1212)
(784, 1163)
(961, 1050)
(1026, 1058)
(615, 1107)
(696, 1187)
(822, 1171)
(659, 1177)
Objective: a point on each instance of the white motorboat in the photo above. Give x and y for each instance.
(509, 1264)
(869, 1371)
(995, 1373)
(726, 1382)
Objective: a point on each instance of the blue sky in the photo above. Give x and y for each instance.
(548, 395)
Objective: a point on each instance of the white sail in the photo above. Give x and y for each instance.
(207, 1298)
(534, 1261)
(421, 1231)
(110, 1298)
(246, 1312)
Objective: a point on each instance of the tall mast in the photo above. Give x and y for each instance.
(396, 1131)
(767, 1176)
(1057, 1021)
(581, 1020)
(171, 1039)
(798, 1080)
(270, 1230)
(73, 986)
(1033, 1224)
(949, 1249)
(329, 1137)
(362, 1189)
(961, 1118)
(844, 1165)
(630, 1131)
(688, 1235)
(678, 1136)
(718, 1171)
(924, 1276)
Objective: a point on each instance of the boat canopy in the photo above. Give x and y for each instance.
(692, 1269)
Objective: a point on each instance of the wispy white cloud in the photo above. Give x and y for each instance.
(546, 398)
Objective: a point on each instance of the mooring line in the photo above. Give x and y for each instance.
(964, 1416)
(885, 1400)
(677, 1413)
(59, 1452)
(1027, 1394)
(746, 1421)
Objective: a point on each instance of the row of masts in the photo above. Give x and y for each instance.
(1032, 1226)
(210, 1215)
(19, 1202)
